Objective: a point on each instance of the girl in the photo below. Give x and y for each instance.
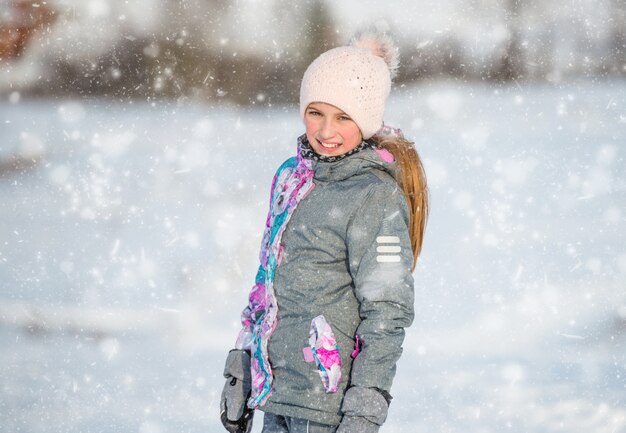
(325, 322)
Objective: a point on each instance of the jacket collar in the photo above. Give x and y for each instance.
(353, 165)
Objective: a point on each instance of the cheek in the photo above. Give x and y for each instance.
(311, 128)
(310, 123)
(352, 136)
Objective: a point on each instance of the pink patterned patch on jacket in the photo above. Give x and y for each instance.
(385, 155)
(357, 347)
(328, 357)
(326, 353)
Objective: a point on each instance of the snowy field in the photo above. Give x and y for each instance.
(129, 235)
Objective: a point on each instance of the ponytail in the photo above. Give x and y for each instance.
(412, 178)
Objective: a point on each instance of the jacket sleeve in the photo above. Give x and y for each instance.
(380, 260)
(257, 292)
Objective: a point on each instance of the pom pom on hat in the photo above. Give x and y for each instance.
(355, 78)
(380, 45)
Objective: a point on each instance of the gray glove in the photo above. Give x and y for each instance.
(364, 410)
(234, 413)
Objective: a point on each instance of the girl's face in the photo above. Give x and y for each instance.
(330, 131)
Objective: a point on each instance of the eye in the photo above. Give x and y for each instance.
(344, 117)
(314, 113)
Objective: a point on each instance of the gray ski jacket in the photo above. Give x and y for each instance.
(347, 256)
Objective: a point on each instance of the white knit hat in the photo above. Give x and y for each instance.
(356, 79)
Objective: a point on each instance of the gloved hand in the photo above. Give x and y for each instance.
(234, 413)
(364, 410)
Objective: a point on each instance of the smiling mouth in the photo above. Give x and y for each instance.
(328, 146)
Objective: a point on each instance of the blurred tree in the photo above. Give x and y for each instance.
(431, 58)
(510, 57)
(257, 53)
(539, 51)
(171, 62)
(616, 61)
(20, 21)
(261, 72)
(311, 30)
(318, 30)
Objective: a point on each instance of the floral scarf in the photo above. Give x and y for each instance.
(293, 181)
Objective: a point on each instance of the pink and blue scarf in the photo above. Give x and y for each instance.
(293, 181)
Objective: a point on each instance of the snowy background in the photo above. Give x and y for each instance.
(129, 231)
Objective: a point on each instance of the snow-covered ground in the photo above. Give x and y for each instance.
(129, 235)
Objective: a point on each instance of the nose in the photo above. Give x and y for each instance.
(327, 129)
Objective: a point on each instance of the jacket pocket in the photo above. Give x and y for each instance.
(323, 350)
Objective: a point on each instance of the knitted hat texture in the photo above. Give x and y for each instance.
(356, 79)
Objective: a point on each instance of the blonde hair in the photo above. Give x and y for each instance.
(412, 178)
